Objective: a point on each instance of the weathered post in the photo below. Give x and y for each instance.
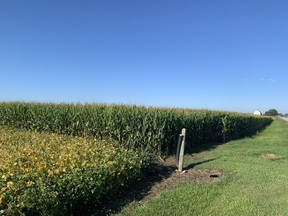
(180, 150)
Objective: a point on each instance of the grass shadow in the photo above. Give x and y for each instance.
(190, 148)
(192, 165)
(195, 149)
(201, 148)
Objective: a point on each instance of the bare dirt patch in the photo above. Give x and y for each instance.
(271, 156)
(176, 178)
(182, 178)
(163, 177)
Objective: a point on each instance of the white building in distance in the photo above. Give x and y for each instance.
(257, 112)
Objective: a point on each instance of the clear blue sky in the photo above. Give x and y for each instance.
(226, 55)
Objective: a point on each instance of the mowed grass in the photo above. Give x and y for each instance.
(251, 184)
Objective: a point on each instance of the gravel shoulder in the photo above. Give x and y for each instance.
(284, 118)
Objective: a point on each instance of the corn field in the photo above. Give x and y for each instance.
(147, 129)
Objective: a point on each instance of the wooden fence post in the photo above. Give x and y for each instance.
(180, 150)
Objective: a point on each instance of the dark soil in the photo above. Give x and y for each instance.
(163, 177)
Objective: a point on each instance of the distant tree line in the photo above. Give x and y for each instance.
(274, 112)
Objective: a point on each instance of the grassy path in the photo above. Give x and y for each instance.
(254, 180)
